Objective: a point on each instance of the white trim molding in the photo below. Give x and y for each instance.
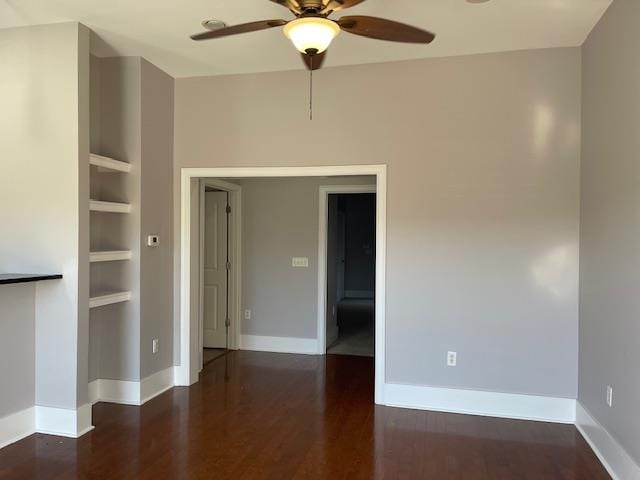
(63, 422)
(477, 402)
(187, 371)
(613, 456)
(17, 425)
(129, 392)
(156, 384)
(50, 420)
(260, 343)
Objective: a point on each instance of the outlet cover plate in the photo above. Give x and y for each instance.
(300, 262)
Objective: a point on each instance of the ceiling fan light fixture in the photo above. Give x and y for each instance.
(311, 34)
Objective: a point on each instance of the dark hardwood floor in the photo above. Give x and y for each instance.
(303, 417)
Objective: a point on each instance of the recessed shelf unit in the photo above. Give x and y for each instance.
(109, 164)
(110, 207)
(108, 298)
(109, 256)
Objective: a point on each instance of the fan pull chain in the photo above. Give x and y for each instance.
(311, 89)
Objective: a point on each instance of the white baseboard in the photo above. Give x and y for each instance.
(155, 384)
(50, 420)
(62, 421)
(613, 456)
(114, 391)
(130, 392)
(16, 426)
(474, 402)
(259, 343)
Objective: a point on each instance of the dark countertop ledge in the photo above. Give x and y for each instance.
(9, 278)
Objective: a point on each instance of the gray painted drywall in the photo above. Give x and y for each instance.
(43, 97)
(360, 243)
(280, 221)
(132, 121)
(483, 156)
(156, 268)
(610, 224)
(17, 347)
(84, 240)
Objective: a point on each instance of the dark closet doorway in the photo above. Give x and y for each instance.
(351, 263)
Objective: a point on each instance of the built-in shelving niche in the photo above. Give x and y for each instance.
(103, 297)
(108, 298)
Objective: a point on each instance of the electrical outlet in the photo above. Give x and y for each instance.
(155, 345)
(247, 314)
(609, 395)
(452, 359)
(153, 240)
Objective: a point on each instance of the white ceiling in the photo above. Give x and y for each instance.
(159, 30)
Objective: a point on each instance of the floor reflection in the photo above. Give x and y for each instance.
(279, 416)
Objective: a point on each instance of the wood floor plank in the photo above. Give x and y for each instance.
(301, 417)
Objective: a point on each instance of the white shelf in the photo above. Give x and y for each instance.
(108, 298)
(109, 163)
(109, 256)
(113, 207)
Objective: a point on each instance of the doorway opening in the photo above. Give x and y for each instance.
(186, 373)
(351, 262)
(217, 234)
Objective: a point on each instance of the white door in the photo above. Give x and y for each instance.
(215, 270)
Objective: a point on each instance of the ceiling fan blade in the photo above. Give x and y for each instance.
(335, 5)
(237, 29)
(382, 29)
(292, 5)
(317, 60)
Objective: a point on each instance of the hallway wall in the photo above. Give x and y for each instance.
(280, 221)
(360, 245)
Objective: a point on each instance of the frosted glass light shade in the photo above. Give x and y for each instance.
(311, 33)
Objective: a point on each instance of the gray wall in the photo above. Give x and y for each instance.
(43, 127)
(156, 274)
(132, 121)
(483, 197)
(610, 224)
(17, 347)
(280, 221)
(360, 244)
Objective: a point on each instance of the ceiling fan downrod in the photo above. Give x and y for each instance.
(311, 52)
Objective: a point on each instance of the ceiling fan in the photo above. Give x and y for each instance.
(312, 31)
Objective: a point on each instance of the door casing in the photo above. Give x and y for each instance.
(187, 372)
(235, 247)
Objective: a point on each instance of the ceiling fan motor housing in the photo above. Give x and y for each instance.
(313, 5)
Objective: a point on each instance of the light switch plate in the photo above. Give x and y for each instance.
(153, 240)
(300, 262)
